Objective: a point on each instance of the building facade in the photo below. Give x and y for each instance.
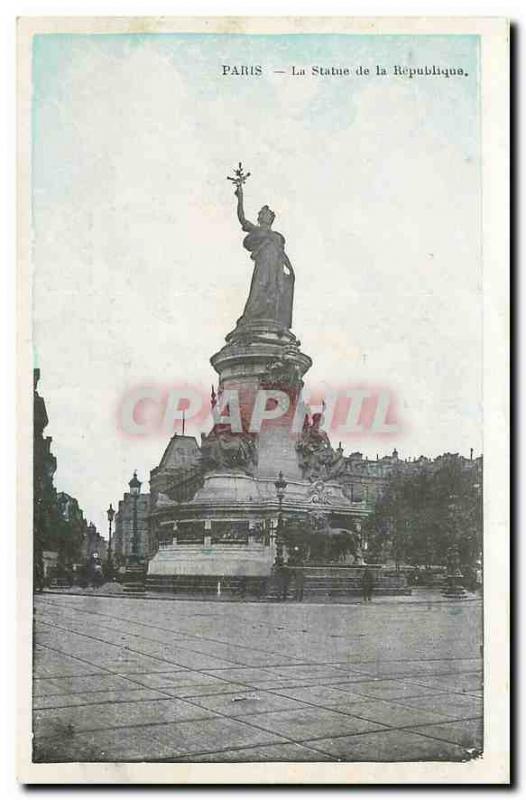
(95, 544)
(131, 533)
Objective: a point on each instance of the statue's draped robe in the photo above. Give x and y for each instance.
(271, 288)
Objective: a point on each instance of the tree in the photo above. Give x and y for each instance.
(425, 510)
(58, 522)
(44, 495)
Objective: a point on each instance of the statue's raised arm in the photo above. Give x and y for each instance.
(245, 223)
(238, 180)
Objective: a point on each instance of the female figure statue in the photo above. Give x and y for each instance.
(272, 286)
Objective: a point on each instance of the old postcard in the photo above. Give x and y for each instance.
(263, 303)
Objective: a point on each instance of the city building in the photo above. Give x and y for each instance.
(365, 479)
(131, 533)
(95, 543)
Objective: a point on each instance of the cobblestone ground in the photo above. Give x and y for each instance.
(150, 680)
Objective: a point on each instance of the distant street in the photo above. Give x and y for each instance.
(130, 679)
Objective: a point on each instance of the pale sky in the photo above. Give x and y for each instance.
(139, 270)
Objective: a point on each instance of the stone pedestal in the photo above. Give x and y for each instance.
(212, 560)
(263, 356)
(224, 533)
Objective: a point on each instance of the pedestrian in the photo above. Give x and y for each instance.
(294, 564)
(299, 582)
(367, 585)
(478, 577)
(285, 580)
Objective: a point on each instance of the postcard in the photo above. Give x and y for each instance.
(263, 400)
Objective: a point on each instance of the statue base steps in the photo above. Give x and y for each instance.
(134, 579)
(319, 583)
(210, 586)
(333, 582)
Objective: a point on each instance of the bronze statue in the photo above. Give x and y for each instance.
(317, 459)
(272, 285)
(222, 450)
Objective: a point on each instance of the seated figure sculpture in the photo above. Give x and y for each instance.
(316, 456)
(223, 450)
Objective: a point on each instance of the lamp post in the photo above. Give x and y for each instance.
(453, 587)
(281, 485)
(453, 583)
(111, 514)
(135, 490)
(478, 576)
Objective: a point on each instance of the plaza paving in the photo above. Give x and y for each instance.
(126, 679)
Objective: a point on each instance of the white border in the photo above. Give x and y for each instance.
(493, 767)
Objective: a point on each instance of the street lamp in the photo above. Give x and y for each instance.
(110, 514)
(135, 490)
(453, 587)
(281, 485)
